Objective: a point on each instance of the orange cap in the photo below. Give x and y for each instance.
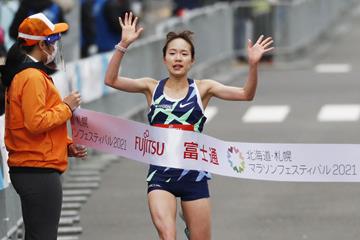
(36, 27)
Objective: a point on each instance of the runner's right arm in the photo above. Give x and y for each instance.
(112, 78)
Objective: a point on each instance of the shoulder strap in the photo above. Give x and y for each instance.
(198, 97)
(159, 88)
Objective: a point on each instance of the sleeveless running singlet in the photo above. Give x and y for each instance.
(185, 111)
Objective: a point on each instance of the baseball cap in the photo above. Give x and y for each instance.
(38, 27)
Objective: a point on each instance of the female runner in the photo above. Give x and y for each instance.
(179, 102)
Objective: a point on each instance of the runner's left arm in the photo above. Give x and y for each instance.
(247, 92)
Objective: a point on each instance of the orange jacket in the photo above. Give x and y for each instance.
(35, 122)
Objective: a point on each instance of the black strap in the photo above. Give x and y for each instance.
(8, 74)
(37, 65)
(32, 170)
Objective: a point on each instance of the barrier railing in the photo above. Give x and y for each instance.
(301, 22)
(221, 31)
(294, 24)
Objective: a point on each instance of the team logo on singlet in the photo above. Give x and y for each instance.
(164, 106)
(148, 146)
(235, 159)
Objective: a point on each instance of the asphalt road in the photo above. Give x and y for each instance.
(260, 210)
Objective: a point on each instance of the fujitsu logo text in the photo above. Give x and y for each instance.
(146, 145)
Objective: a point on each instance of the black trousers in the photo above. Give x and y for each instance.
(41, 198)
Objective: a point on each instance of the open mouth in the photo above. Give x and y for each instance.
(177, 67)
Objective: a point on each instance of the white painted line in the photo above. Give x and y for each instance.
(258, 114)
(333, 68)
(339, 113)
(210, 113)
(342, 29)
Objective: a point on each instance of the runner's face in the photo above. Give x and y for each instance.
(178, 58)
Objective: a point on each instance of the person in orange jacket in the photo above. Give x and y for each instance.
(36, 134)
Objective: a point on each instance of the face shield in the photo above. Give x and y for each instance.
(55, 59)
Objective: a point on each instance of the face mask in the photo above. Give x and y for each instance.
(50, 57)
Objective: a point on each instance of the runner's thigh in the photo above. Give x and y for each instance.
(197, 214)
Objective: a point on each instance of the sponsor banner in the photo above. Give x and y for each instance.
(191, 150)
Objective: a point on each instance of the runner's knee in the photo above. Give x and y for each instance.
(166, 231)
(200, 233)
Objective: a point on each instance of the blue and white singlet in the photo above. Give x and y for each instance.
(184, 111)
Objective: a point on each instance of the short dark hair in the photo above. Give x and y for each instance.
(186, 35)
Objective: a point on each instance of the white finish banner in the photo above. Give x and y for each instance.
(191, 150)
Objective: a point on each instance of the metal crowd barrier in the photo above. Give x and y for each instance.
(294, 24)
(213, 28)
(301, 22)
(221, 32)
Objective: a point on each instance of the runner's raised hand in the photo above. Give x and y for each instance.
(130, 32)
(256, 51)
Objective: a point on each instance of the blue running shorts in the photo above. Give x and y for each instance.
(185, 190)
